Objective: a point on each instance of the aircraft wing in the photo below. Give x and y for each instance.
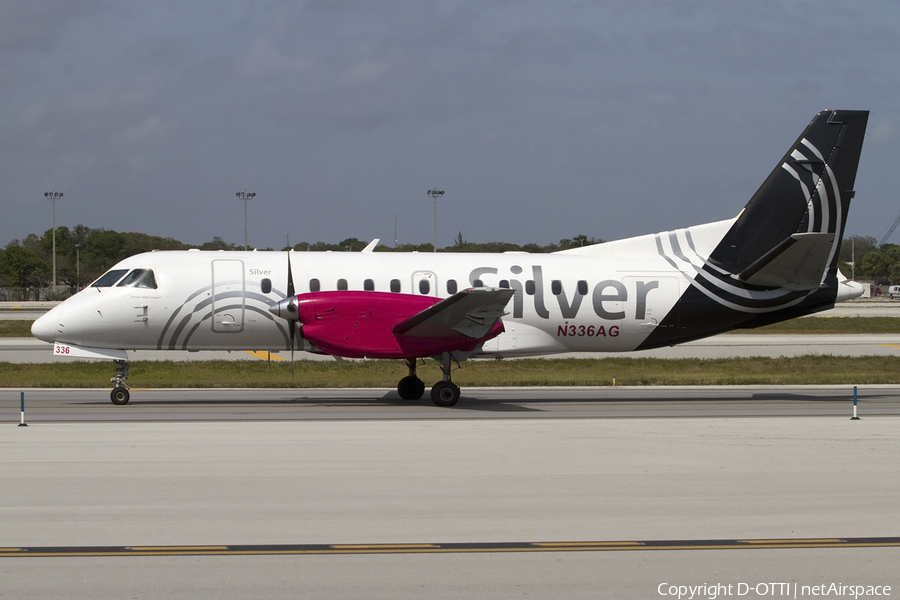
(472, 312)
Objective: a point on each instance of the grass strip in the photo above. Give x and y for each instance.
(17, 328)
(829, 325)
(803, 370)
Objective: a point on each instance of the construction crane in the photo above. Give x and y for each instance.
(890, 231)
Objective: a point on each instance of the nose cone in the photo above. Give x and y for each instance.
(286, 309)
(46, 327)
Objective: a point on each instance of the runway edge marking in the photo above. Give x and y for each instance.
(453, 547)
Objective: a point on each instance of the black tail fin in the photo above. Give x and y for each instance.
(779, 258)
(790, 232)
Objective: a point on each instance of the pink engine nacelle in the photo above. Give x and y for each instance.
(360, 325)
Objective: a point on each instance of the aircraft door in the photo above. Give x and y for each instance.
(227, 295)
(424, 283)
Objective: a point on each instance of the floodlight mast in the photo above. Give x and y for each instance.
(52, 196)
(77, 268)
(245, 195)
(435, 194)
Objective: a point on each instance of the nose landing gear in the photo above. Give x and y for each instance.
(120, 394)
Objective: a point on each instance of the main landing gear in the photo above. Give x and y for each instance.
(411, 387)
(120, 394)
(443, 393)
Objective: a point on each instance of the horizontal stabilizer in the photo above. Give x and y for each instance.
(473, 313)
(797, 263)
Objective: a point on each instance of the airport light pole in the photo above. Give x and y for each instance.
(52, 196)
(245, 195)
(77, 267)
(435, 194)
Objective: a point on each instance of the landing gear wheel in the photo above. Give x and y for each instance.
(445, 393)
(119, 396)
(411, 388)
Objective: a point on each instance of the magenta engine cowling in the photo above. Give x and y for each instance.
(360, 324)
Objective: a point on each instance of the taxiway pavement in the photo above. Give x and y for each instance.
(180, 405)
(375, 484)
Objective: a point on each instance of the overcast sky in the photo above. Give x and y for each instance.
(540, 120)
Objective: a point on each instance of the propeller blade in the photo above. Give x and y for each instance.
(292, 325)
(293, 328)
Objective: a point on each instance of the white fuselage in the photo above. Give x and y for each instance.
(600, 298)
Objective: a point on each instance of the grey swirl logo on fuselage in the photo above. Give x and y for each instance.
(196, 310)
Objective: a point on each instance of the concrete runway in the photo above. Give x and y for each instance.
(298, 404)
(382, 490)
(389, 488)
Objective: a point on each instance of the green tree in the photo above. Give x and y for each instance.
(23, 268)
(860, 246)
(883, 263)
(352, 245)
(217, 243)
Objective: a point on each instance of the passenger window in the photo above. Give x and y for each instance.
(451, 286)
(582, 287)
(314, 285)
(109, 278)
(342, 285)
(369, 285)
(529, 287)
(504, 283)
(265, 285)
(477, 283)
(424, 286)
(139, 278)
(556, 287)
(395, 286)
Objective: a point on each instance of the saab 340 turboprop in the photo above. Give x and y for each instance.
(776, 260)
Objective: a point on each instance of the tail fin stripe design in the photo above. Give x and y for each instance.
(828, 203)
(758, 305)
(676, 247)
(839, 217)
(721, 285)
(819, 220)
(810, 206)
(705, 264)
(734, 292)
(662, 253)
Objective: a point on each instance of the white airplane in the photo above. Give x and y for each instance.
(775, 261)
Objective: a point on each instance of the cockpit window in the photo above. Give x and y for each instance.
(139, 278)
(109, 278)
